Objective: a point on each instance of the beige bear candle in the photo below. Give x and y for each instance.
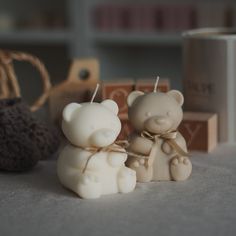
(92, 164)
(155, 117)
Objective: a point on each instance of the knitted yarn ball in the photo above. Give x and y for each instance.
(24, 140)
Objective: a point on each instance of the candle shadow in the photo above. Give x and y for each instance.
(42, 178)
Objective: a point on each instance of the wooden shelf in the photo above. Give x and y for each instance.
(118, 38)
(35, 37)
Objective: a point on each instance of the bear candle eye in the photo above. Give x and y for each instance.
(168, 113)
(148, 114)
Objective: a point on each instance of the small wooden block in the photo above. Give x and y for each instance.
(118, 91)
(64, 94)
(148, 85)
(86, 71)
(126, 128)
(200, 130)
(81, 82)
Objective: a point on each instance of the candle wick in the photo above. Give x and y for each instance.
(94, 93)
(156, 83)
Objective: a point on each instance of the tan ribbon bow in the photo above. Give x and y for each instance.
(168, 137)
(117, 147)
(120, 145)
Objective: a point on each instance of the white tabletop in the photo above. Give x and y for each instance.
(34, 203)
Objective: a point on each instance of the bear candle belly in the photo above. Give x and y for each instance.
(92, 164)
(161, 170)
(155, 118)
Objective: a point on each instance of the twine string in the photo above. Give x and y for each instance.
(117, 147)
(120, 145)
(168, 137)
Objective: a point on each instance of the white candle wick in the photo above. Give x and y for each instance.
(94, 93)
(156, 83)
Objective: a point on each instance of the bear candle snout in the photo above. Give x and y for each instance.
(157, 124)
(103, 137)
(160, 120)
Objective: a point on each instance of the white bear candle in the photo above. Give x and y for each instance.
(155, 117)
(92, 165)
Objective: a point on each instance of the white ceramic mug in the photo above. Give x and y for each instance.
(210, 76)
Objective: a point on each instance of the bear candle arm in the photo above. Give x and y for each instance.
(117, 159)
(140, 145)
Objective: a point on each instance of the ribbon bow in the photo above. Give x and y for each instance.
(118, 146)
(168, 137)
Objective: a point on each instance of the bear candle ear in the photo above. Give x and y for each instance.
(133, 96)
(68, 111)
(177, 95)
(111, 105)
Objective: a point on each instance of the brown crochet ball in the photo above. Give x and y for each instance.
(46, 138)
(23, 139)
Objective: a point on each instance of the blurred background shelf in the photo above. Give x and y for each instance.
(123, 38)
(116, 33)
(35, 37)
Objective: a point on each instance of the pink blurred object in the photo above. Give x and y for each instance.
(136, 17)
(95, 17)
(177, 17)
(121, 17)
(184, 17)
(168, 17)
(143, 17)
(150, 19)
(102, 17)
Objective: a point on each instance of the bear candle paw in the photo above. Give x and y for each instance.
(126, 180)
(138, 163)
(89, 187)
(180, 168)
